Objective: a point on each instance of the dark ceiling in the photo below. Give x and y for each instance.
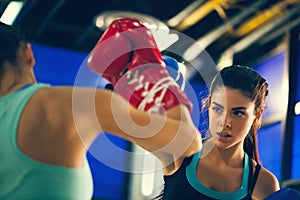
(253, 26)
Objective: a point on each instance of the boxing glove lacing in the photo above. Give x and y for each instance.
(162, 85)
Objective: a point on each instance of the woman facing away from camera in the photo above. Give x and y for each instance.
(228, 166)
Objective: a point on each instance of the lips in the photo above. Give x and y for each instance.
(224, 134)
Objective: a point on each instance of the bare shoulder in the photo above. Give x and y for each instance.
(67, 96)
(48, 123)
(60, 107)
(267, 183)
(54, 94)
(52, 105)
(50, 118)
(66, 104)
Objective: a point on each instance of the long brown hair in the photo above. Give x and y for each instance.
(251, 84)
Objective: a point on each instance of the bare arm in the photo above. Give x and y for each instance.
(68, 120)
(115, 115)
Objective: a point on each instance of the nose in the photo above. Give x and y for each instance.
(226, 122)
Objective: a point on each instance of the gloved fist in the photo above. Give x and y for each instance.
(127, 56)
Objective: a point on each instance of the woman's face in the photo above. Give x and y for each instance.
(231, 115)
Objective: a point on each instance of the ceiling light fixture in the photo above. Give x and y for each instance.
(163, 36)
(297, 108)
(11, 12)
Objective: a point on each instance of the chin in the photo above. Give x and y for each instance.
(223, 145)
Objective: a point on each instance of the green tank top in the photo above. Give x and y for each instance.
(24, 178)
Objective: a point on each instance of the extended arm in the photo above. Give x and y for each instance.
(128, 56)
(115, 115)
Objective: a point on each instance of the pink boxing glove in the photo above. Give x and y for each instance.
(127, 56)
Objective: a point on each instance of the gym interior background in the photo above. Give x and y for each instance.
(263, 34)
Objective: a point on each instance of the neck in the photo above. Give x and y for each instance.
(11, 82)
(233, 156)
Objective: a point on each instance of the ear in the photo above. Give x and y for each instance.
(29, 55)
(258, 115)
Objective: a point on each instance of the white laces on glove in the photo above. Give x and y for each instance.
(149, 94)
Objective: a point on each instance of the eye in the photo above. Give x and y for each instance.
(238, 113)
(217, 109)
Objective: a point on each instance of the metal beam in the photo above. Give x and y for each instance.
(27, 7)
(53, 11)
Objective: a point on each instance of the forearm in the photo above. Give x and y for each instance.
(152, 132)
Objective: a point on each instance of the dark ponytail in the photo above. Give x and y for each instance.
(250, 145)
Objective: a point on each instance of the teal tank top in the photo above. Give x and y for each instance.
(184, 184)
(24, 178)
(241, 193)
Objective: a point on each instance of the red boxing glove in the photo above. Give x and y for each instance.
(127, 56)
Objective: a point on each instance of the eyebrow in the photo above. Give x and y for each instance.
(236, 108)
(217, 104)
